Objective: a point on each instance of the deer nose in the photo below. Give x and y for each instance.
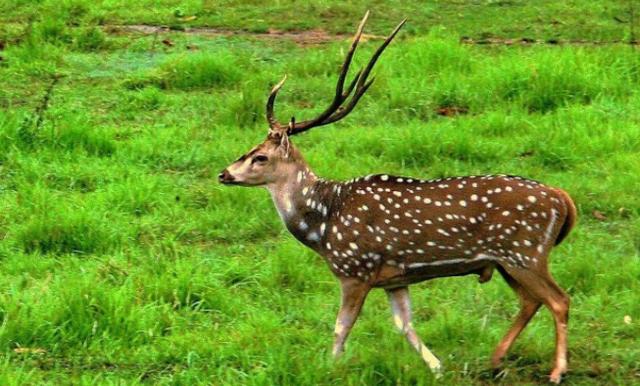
(225, 177)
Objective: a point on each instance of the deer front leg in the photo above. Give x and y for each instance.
(354, 292)
(401, 308)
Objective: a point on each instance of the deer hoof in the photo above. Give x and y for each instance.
(556, 376)
(496, 360)
(437, 371)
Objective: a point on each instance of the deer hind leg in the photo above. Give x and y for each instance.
(354, 292)
(529, 307)
(401, 309)
(541, 286)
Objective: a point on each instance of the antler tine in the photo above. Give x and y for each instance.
(336, 111)
(340, 95)
(351, 85)
(362, 87)
(274, 125)
(347, 60)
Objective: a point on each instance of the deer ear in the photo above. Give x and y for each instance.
(285, 145)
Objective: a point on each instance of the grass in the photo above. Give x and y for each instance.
(546, 19)
(124, 262)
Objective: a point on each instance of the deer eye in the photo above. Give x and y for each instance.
(259, 158)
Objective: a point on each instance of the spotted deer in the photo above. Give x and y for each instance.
(384, 231)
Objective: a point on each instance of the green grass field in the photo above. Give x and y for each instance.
(125, 262)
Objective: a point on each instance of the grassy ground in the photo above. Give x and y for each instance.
(124, 262)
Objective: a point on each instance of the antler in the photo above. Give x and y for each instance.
(336, 109)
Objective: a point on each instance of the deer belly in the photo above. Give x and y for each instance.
(393, 275)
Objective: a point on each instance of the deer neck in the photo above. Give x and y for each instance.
(303, 202)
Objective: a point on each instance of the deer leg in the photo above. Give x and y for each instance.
(401, 308)
(529, 307)
(354, 292)
(543, 287)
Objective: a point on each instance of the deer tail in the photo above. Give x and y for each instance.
(571, 217)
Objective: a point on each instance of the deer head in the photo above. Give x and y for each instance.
(276, 159)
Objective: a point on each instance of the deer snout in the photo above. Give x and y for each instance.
(225, 177)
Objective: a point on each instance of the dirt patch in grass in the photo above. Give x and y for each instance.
(309, 37)
(320, 36)
(301, 37)
(528, 41)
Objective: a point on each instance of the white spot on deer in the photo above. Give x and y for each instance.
(474, 197)
(313, 236)
(532, 199)
(438, 203)
(505, 213)
(353, 246)
(323, 226)
(462, 203)
(384, 177)
(549, 229)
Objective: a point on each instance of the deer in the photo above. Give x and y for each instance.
(389, 232)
